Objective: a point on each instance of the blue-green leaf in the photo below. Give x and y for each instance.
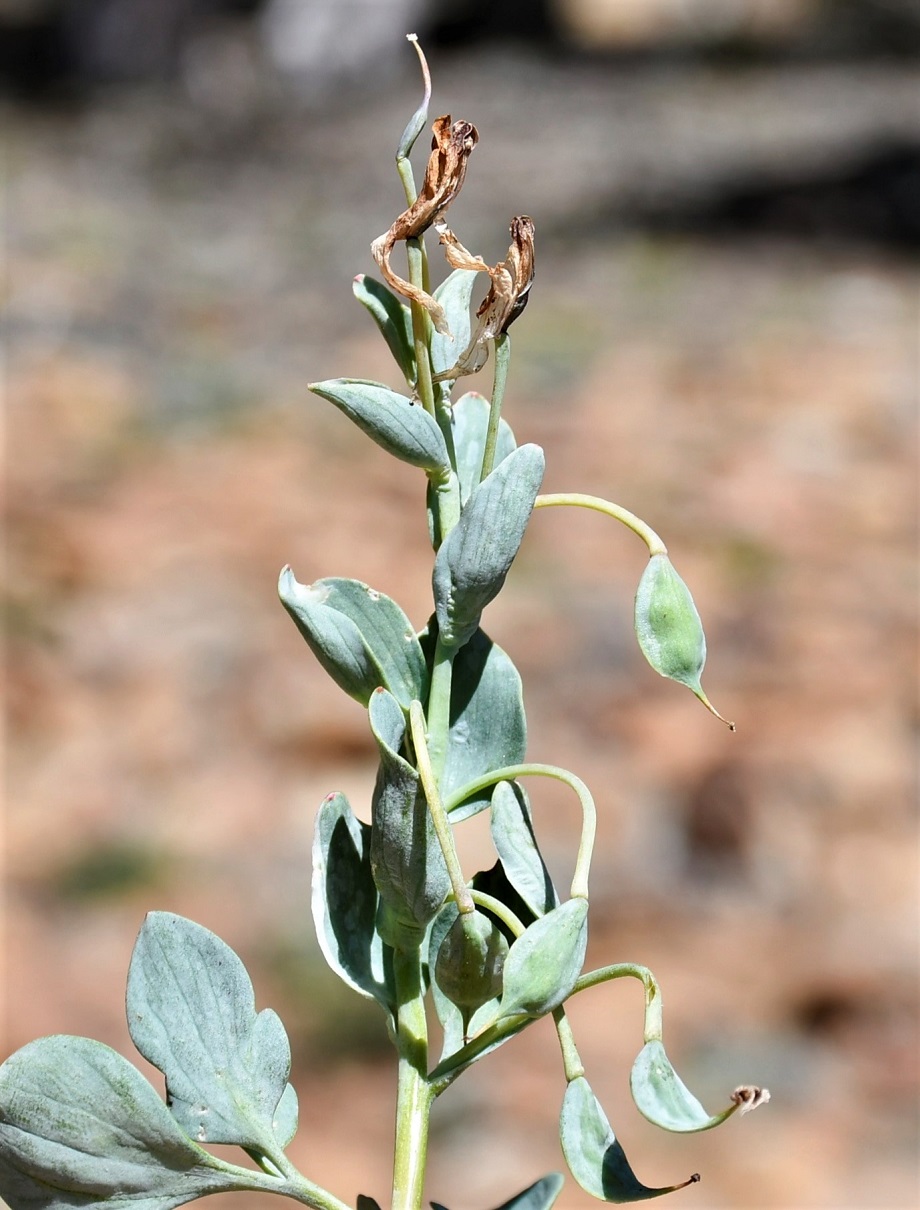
(516, 845)
(545, 961)
(470, 423)
(191, 1013)
(662, 1097)
(394, 320)
(474, 558)
(345, 902)
(79, 1126)
(360, 636)
(488, 728)
(403, 430)
(541, 1195)
(593, 1153)
(454, 294)
(406, 859)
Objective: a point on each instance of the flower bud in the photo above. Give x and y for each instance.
(470, 962)
(669, 629)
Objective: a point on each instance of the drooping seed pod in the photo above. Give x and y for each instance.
(669, 629)
(470, 962)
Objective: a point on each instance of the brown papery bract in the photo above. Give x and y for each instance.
(444, 175)
(509, 290)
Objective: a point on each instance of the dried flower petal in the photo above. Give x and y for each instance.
(509, 290)
(444, 175)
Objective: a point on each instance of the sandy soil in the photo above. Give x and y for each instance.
(177, 279)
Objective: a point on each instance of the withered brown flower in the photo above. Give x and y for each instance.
(509, 290)
(444, 175)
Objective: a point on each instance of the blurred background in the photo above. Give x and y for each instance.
(723, 336)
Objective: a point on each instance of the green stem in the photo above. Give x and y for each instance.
(598, 504)
(442, 672)
(420, 326)
(502, 358)
(629, 970)
(571, 1059)
(447, 1071)
(413, 1094)
(499, 909)
(579, 888)
(442, 828)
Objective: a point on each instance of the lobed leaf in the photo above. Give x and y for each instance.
(79, 1126)
(593, 1153)
(345, 902)
(403, 430)
(475, 557)
(360, 636)
(191, 1013)
(394, 320)
(470, 424)
(545, 961)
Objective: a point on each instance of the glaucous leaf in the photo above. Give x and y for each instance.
(393, 318)
(488, 728)
(474, 558)
(345, 902)
(669, 629)
(594, 1155)
(545, 961)
(79, 1126)
(366, 1203)
(191, 1013)
(454, 294)
(541, 1195)
(470, 423)
(406, 859)
(516, 845)
(403, 430)
(662, 1097)
(360, 636)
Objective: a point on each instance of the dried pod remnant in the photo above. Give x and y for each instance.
(749, 1096)
(451, 147)
(509, 289)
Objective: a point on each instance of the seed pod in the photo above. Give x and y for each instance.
(669, 629)
(470, 962)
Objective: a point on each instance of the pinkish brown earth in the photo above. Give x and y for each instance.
(171, 736)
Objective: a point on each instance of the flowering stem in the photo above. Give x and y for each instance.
(442, 829)
(502, 358)
(579, 888)
(577, 500)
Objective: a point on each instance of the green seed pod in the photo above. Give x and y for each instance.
(470, 962)
(669, 629)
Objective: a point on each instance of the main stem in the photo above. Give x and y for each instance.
(413, 1092)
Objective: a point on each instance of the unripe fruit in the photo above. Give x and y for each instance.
(669, 629)
(470, 962)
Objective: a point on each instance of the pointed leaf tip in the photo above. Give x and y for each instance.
(594, 1154)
